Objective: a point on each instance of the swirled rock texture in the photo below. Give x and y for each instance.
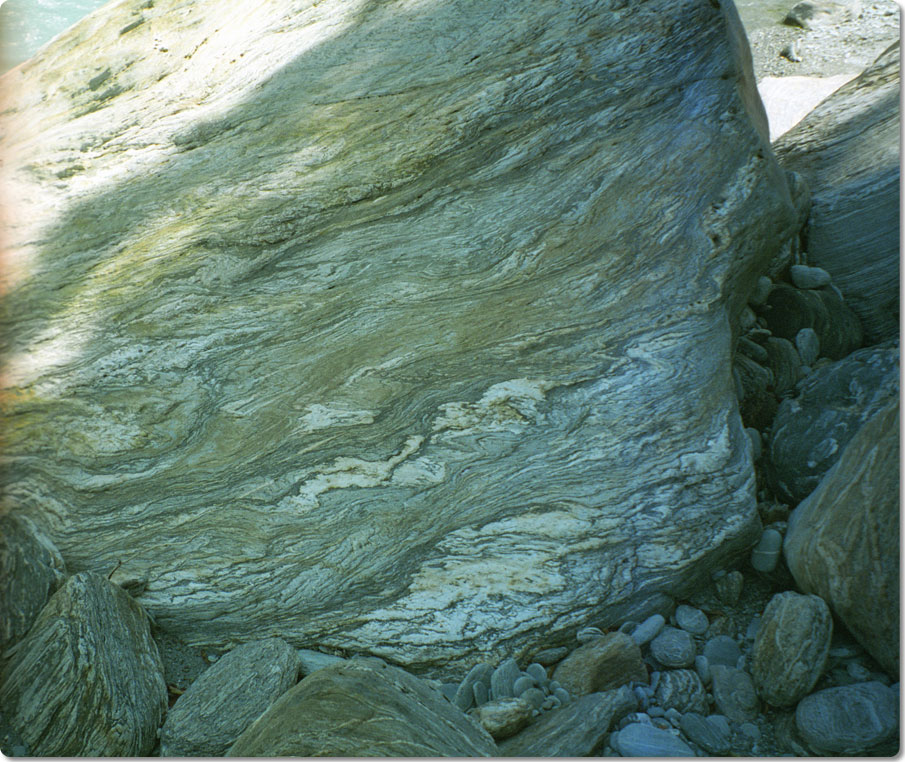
(400, 327)
(87, 679)
(848, 150)
(843, 540)
(363, 708)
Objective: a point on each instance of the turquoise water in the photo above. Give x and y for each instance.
(25, 25)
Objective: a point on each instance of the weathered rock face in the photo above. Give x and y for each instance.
(87, 679)
(848, 151)
(363, 708)
(402, 327)
(843, 540)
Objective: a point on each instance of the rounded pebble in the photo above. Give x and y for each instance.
(805, 277)
(648, 629)
(702, 667)
(808, 345)
(523, 684)
(757, 447)
(691, 619)
(550, 656)
(683, 690)
(538, 672)
(639, 740)
(535, 697)
(722, 650)
(562, 694)
(656, 711)
(673, 648)
(481, 694)
(642, 696)
(766, 553)
(503, 679)
(464, 698)
(858, 671)
(729, 587)
(753, 627)
(761, 291)
(712, 733)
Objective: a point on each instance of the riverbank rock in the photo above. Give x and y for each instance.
(208, 718)
(600, 665)
(87, 679)
(843, 541)
(363, 707)
(31, 570)
(791, 647)
(404, 327)
(811, 431)
(848, 149)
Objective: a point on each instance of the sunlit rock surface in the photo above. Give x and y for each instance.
(396, 327)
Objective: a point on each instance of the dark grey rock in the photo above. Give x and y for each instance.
(765, 554)
(563, 695)
(481, 693)
(729, 587)
(502, 679)
(600, 665)
(702, 668)
(639, 740)
(712, 733)
(811, 431)
(752, 350)
(480, 672)
(809, 277)
(791, 647)
(808, 346)
(761, 291)
(87, 679)
(587, 634)
(31, 570)
(449, 690)
(758, 404)
(756, 452)
(576, 730)
(683, 690)
(691, 619)
(534, 696)
(217, 708)
(673, 648)
(504, 717)
(733, 693)
(648, 629)
(523, 684)
(849, 719)
(550, 656)
(790, 309)
(537, 671)
(785, 363)
(363, 707)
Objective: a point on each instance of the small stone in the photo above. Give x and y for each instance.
(848, 720)
(766, 554)
(465, 695)
(858, 672)
(503, 679)
(628, 627)
(729, 587)
(656, 711)
(674, 716)
(691, 619)
(587, 634)
(504, 717)
(638, 740)
(642, 696)
(648, 629)
(311, 661)
(522, 684)
(702, 668)
(753, 350)
(791, 647)
(722, 650)
(550, 656)
(712, 733)
(599, 665)
(733, 693)
(757, 447)
(808, 345)
(538, 672)
(481, 693)
(562, 694)
(805, 277)
(673, 648)
(753, 628)
(748, 319)
(790, 52)
(682, 689)
(534, 696)
(750, 730)
(761, 291)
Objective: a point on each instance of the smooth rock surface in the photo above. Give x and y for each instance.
(31, 570)
(363, 708)
(673, 648)
(504, 717)
(681, 689)
(479, 673)
(208, 718)
(691, 619)
(849, 719)
(87, 680)
(848, 151)
(791, 647)
(843, 541)
(576, 730)
(734, 693)
(648, 629)
(712, 733)
(311, 661)
(502, 679)
(640, 740)
(809, 277)
(602, 664)
(812, 430)
(807, 344)
(404, 326)
(785, 362)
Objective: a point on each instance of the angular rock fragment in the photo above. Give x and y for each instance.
(207, 719)
(363, 708)
(504, 717)
(712, 733)
(600, 665)
(87, 679)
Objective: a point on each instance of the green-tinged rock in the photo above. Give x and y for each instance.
(601, 664)
(389, 327)
(87, 679)
(363, 708)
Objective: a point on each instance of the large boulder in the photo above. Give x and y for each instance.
(363, 708)
(403, 327)
(843, 540)
(848, 150)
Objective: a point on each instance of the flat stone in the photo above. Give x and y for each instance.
(733, 693)
(683, 690)
(360, 708)
(479, 673)
(538, 672)
(673, 648)
(504, 717)
(702, 668)
(578, 729)
(502, 679)
(791, 647)
(848, 720)
(639, 740)
(602, 664)
(648, 629)
(753, 350)
(311, 661)
(807, 345)
(217, 708)
(809, 277)
(87, 679)
(481, 693)
(712, 734)
(691, 619)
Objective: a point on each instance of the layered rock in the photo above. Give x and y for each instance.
(848, 149)
(843, 540)
(87, 679)
(363, 708)
(402, 327)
